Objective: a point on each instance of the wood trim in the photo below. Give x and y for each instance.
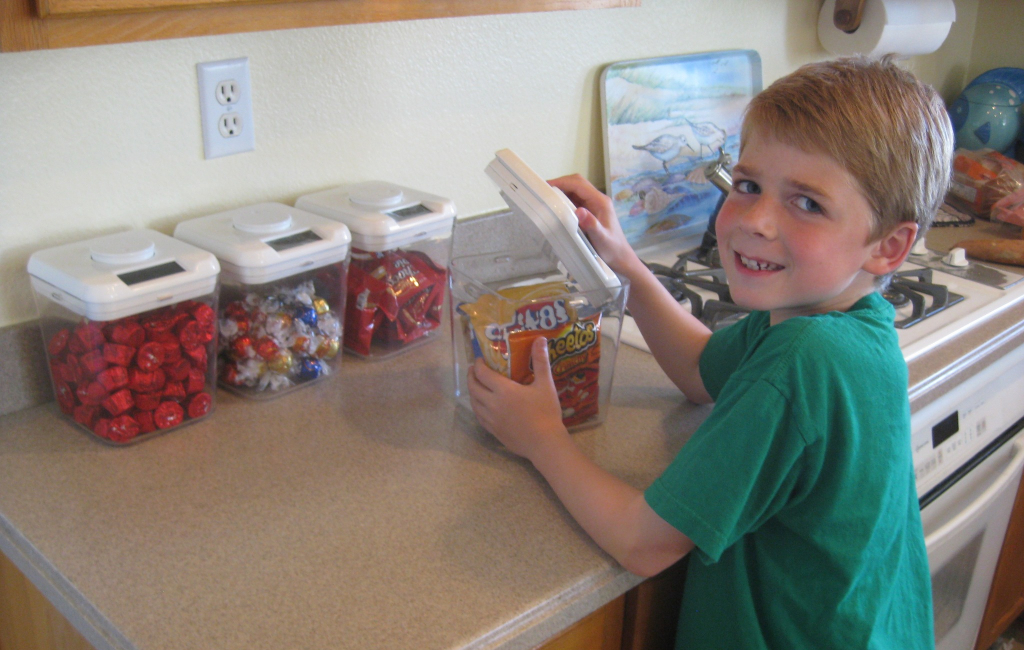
(1006, 597)
(600, 630)
(652, 610)
(28, 619)
(22, 27)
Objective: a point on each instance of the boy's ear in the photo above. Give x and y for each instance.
(890, 251)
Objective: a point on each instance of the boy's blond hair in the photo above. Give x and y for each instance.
(887, 129)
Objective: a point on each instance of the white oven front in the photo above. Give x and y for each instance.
(969, 455)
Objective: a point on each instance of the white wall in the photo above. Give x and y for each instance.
(100, 139)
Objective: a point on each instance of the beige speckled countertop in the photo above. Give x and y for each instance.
(365, 511)
(360, 512)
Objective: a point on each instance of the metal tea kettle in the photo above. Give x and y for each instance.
(718, 173)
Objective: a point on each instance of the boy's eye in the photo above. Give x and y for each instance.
(746, 187)
(807, 204)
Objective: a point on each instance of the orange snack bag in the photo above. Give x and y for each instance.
(574, 351)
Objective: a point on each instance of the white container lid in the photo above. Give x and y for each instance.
(267, 241)
(122, 274)
(383, 216)
(555, 216)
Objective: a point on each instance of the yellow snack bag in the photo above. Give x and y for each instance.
(529, 307)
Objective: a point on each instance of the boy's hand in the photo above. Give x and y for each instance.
(522, 417)
(597, 217)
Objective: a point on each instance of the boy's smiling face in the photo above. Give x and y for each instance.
(794, 233)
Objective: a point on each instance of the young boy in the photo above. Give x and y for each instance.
(797, 493)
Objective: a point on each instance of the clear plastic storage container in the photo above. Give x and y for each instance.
(282, 296)
(401, 245)
(129, 325)
(501, 302)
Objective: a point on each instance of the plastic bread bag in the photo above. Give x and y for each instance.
(981, 178)
(1010, 208)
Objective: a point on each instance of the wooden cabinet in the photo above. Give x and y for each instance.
(1006, 599)
(644, 618)
(44, 24)
(600, 630)
(28, 621)
(652, 610)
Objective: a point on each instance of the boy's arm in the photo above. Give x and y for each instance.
(528, 420)
(675, 337)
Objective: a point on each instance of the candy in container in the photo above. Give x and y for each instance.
(401, 244)
(282, 298)
(129, 324)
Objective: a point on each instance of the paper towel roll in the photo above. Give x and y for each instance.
(906, 27)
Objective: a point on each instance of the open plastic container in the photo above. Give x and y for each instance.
(129, 324)
(282, 296)
(502, 301)
(401, 245)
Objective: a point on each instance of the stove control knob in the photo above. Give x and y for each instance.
(919, 247)
(956, 257)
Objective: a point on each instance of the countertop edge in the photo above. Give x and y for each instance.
(538, 625)
(96, 629)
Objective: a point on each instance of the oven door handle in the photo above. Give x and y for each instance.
(983, 500)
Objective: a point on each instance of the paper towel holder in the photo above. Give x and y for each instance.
(847, 15)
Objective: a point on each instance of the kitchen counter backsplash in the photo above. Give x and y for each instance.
(23, 359)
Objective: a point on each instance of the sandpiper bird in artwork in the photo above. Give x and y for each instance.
(707, 134)
(664, 148)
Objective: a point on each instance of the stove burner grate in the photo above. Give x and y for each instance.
(912, 286)
(681, 282)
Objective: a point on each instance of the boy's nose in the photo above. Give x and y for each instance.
(759, 218)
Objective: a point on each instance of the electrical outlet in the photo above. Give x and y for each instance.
(225, 107)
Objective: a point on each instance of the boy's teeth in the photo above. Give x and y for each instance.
(754, 265)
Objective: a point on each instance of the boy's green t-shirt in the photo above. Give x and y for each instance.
(798, 490)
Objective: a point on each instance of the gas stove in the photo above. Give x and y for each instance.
(934, 301)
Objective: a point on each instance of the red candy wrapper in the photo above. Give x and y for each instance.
(120, 402)
(117, 354)
(168, 414)
(113, 378)
(92, 362)
(91, 393)
(395, 298)
(59, 343)
(125, 378)
(128, 333)
(141, 381)
(122, 428)
(150, 356)
(199, 405)
(148, 401)
(86, 415)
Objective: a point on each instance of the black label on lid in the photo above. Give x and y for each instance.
(291, 241)
(417, 210)
(151, 273)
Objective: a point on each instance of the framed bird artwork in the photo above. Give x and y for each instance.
(665, 120)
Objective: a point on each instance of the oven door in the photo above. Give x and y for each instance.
(965, 521)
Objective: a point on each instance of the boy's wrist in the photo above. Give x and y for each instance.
(552, 447)
(631, 267)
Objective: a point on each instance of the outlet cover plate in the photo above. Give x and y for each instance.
(236, 106)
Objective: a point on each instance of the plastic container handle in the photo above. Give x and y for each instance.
(983, 499)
